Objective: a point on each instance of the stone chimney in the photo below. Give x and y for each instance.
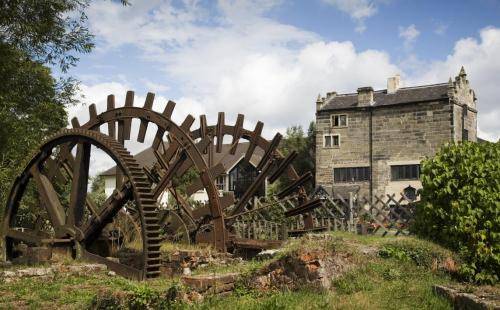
(393, 84)
(365, 96)
(331, 95)
(319, 103)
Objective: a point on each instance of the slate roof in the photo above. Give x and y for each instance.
(382, 98)
(147, 157)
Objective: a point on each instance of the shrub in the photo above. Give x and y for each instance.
(460, 206)
(422, 253)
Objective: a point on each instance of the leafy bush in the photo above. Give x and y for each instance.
(460, 206)
(421, 253)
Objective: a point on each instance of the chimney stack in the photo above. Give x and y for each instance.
(393, 84)
(365, 96)
(319, 103)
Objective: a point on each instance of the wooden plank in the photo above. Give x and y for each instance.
(49, 197)
(305, 207)
(169, 174)
(148, 105)
(127, 123)
(187, 123)
(167, 113)
(253, 140)
(282, 166)
(295, 185)
(238, 128)
(120, 269)
(110, 208)
(197, 184)
(111, 124)
(29, 238)
(79, 185)
(220, 131)
(251, 190)
(75, 123)
(270, 150)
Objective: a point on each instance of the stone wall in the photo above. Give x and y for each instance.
(401, 134)
(354, 145)
(405, 135)
(464, 110)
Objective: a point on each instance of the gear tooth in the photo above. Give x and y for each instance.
(116, 150)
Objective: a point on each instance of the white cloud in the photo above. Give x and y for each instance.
(441, 29)
(154, 87)
(409, 35)
(267, 70)
(358, 10)
(481, 62)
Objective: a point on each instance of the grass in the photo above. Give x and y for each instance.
(376, 282)
(388, 273)
(68, 292)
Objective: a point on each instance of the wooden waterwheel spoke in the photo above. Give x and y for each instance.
(68, 165)
(240, 206)
(110, 208)
(79, 184)
(49, 198)
(29, 238)
(171, 172)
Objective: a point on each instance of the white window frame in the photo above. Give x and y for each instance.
(332, 146)
(332, 123)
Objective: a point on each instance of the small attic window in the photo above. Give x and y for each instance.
(339, 120)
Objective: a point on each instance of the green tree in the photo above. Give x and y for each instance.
(34, 35)
(97, 190)
(460, 206)
(296, 140)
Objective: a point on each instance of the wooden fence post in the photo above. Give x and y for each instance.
(284, 232)
(352, 228)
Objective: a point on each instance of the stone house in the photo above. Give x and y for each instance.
(372, 142)
(237, 177)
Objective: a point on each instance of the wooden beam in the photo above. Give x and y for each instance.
(127, 123)
(79, 185)
(270, 150)
(148, 105)
(238, 128)
(111, 124)
(253, 140)
(49, 198)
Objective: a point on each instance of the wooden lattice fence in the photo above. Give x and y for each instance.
(383, 215)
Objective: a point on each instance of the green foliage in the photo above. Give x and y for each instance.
(46, 31)
(30, 109)
(97, 193)
(356, 281)
(144, 298)
(34, 35)
(460, 206)
(296, 140)
(419, 252)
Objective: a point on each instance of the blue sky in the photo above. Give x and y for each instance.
(270, 59)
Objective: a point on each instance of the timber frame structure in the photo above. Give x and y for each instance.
(80, 223)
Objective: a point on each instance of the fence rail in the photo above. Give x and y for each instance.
(382, 215)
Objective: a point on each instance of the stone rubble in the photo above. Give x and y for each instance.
(204, 285)
(461, 300)
(183, 262)
(9, 276)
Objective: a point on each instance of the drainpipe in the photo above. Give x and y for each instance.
(370, 141)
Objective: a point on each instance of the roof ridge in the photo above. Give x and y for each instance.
(385, 89)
